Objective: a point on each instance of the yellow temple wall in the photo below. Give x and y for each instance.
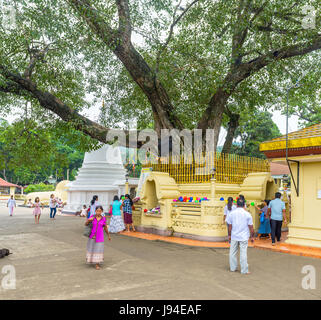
(305, 227)
(205, 220)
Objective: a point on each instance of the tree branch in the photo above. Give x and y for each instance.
(212, 115)
(135, 64)
(35, 55)
(171, 30)
(52, 103)
(124, 20)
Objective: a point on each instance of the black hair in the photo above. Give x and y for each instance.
(240, 202)
(116, 198)
(94, 199)
(241, 197)
(100, 207)
(267, 201)
(278, 195)
(229, 203)
(130, 200)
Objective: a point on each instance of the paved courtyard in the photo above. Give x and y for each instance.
(49, 261)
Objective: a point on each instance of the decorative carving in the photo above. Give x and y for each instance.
(198, 225)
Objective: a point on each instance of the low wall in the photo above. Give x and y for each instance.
(202, 221)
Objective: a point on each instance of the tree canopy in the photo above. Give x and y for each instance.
(166, 63)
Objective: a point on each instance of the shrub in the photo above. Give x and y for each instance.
(39, 187)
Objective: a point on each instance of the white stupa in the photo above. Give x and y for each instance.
(102, 174)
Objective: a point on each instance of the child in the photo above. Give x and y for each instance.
(95, 244)
(84, 211)
(265, 227)
(29, 204)
(37, 210)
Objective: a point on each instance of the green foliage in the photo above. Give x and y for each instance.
(39, 188)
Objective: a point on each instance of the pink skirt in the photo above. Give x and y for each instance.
(36, 211)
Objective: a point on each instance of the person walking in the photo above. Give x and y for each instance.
(93, 205)
(11, 204)
(52, 206)
(37, 210)
(228, 209)
(240, 226)
(128, 212)
(276, 210)
(95, 244)
(116, 221)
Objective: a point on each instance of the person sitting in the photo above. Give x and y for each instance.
(29, 204)
(83, 211)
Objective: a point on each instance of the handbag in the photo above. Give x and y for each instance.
(88, 229)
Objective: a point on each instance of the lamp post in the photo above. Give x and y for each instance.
(126, 184)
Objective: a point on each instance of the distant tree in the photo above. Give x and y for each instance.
(254, 129)
(31, 153)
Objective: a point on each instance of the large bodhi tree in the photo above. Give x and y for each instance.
(197, 61)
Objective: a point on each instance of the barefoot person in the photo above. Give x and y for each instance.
(37, 210)
(240, 225)
(116, 221)
(95, 244)
(11, 204)
(93, 204)
(128, 212)
(228, 209)
(53, 206)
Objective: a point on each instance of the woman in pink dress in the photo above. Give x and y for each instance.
(37, 210)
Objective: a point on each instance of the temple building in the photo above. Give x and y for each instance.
(102, 174)
(302, 153)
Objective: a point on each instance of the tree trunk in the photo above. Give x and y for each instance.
(232, 126)
(212, 117)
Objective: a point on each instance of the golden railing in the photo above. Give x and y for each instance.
(228, 168)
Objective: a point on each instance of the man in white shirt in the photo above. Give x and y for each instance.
(240, 226)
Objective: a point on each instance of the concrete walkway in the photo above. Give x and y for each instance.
(49, 262)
